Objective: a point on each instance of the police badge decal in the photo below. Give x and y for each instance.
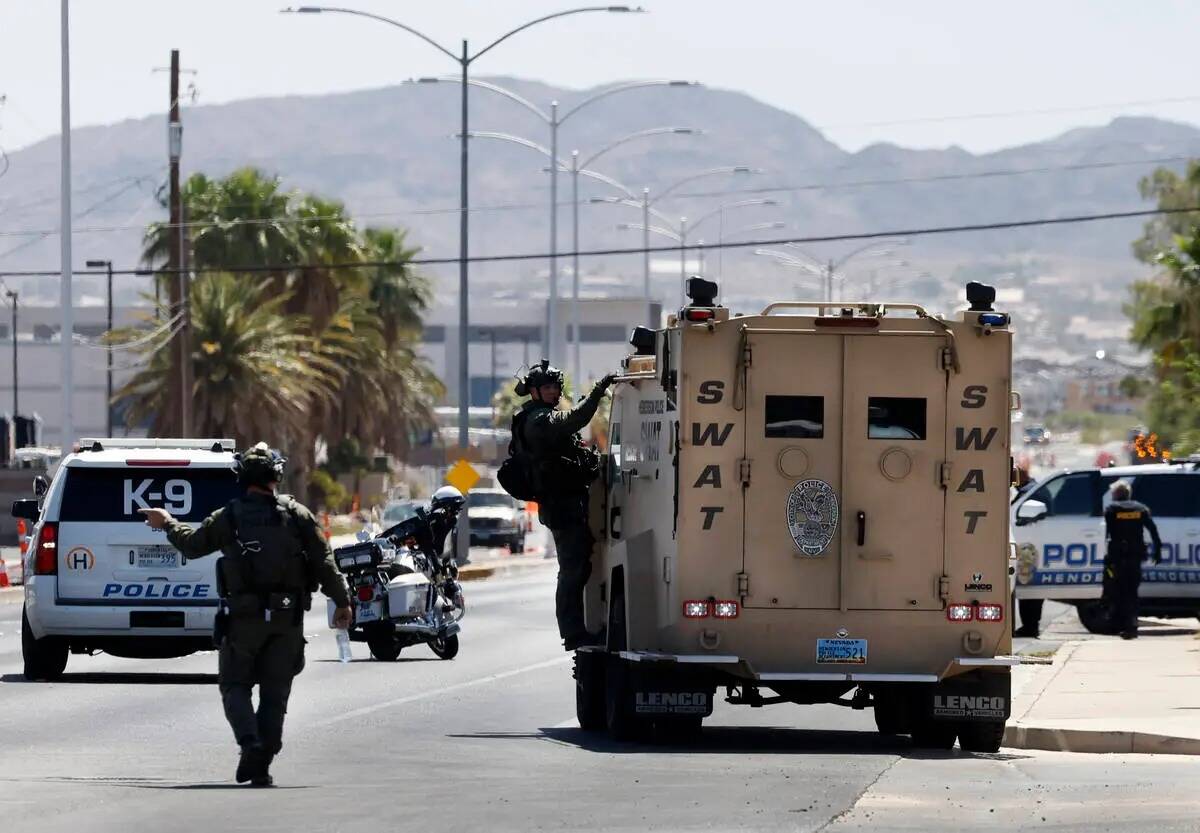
(812, 516)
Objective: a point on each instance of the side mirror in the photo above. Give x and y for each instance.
(26, 509)
(40, 486)
(1031, 511)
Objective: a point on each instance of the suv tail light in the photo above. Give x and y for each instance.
(725, 610)
(989, 613)
(960, 613)
(45, 561)
(696, 609)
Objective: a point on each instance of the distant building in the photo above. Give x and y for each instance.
(1095, 385)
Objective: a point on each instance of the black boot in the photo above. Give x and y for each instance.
(252, 765)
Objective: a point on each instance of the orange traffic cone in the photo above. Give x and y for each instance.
(4, 582)
(326, 525)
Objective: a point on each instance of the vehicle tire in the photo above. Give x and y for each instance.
(45, 658)
(981, 737)
(589, 691)
(622, 723)
(1096, 617)
(934, 734)
(889, 716)
(385, 647)
(446, 647)
(679, 730)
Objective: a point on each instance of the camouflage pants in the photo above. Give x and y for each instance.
(269, 658)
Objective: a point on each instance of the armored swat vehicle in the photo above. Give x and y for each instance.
(807, 505)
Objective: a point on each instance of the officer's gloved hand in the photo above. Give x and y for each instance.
(607, 381)
(1158, 555)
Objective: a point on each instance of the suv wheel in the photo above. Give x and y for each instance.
(590, 691)
(45, 658)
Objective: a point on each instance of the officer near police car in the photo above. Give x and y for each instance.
(1124, 522)
(273, 557)
(564, 469)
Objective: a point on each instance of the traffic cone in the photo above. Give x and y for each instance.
(4, 582)
(326, 525)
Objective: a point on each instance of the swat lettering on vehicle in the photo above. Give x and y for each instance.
(973, 439)
(710, 392)
(671, 702)
(962, 705)
(156, 591)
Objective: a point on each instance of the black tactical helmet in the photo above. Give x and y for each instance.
(538, 375)
(259, 466)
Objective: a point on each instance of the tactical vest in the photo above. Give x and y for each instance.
(266, 567)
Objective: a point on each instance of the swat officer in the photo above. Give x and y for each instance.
(564, 469)
(274, 556)
(1124, 520)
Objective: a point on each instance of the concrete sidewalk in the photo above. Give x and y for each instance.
(1106, 694)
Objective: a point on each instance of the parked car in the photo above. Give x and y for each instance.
(496, 519)
(1036, 435)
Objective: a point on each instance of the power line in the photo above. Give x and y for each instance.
(706, 247)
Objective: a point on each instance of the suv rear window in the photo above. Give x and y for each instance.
(115, 495)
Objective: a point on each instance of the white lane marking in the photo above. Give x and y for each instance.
(426, 695)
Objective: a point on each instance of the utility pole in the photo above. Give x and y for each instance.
(12, 297)
(175, 278)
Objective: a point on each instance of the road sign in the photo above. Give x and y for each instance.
(462, 476)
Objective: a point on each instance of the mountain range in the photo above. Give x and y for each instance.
(391, 156)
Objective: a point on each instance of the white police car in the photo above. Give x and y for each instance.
(1059, 531)
(98, 578)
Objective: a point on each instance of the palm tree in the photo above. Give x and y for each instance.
(400, 294)
(256, 373)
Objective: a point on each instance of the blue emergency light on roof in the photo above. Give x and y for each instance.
(994, 319)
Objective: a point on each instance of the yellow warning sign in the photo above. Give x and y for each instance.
(462, 476)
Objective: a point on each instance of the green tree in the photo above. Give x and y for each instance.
(1170, 191)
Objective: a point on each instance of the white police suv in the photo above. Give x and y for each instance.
(1058, 527)
(98, 578)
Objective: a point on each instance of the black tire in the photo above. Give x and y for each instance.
(589, 691)
(622, 723)
(934, 734)
(446, 647)
(45, 658)
(679, 730)
(384, 647)
(981, 737)
(1096, 617)
(889, 715)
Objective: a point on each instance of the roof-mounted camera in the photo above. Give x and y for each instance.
(981, 297)
(700, 292)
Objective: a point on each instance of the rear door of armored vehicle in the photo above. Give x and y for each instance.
(845, 438)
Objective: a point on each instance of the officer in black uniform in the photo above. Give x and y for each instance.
(1124, 521)
(565, 469)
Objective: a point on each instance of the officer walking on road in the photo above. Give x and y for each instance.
(565, 468)
(1124, 520)
(274, 556)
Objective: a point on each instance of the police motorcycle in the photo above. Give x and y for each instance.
(404, 590)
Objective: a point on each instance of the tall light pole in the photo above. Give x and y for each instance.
(107, 266)
(798, 258)
(12, 298)
(464, 61)
(554, 121)
(66, 296)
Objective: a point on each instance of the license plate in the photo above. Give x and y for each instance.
(368, 612)
(157, 556)
(841, 651)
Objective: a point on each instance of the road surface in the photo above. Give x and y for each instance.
(488, 742)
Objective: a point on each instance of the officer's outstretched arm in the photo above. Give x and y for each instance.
(575, 420)
(213, 533)
(320, 561)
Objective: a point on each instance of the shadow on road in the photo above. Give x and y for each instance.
(121, 678)
(747, 740)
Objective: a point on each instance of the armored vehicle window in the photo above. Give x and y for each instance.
(795, 417)
(1169, 495)
(895, 418)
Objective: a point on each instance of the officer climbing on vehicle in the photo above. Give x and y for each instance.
(274, 557)
(1124, 520)
(557, 469)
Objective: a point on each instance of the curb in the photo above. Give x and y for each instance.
(12, 594)
(483, 571)
(1097, 741)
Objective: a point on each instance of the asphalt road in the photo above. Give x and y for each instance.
(488, 742)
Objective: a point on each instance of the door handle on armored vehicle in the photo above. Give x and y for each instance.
(862, 528)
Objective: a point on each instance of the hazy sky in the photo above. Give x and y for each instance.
(840, 64)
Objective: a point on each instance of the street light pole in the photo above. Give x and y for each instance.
(576, 371)
(108, 387)
(552, 309)
(12, 296)
(646, 258)
(66, 296)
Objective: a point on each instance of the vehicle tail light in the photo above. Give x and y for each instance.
(696, 609)
(45, 561)
(725, 610)
(366, 593)
(989, 613)
(699, 314)
(960, 613)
